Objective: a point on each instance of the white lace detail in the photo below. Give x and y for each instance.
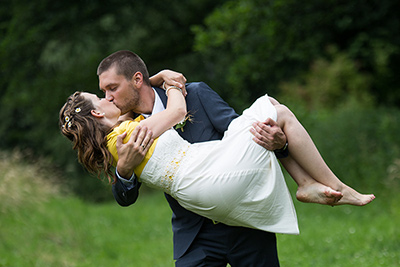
(171, 170)
(165, 162)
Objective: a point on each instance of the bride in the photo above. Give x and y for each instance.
(233, 181)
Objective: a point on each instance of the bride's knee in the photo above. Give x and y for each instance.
(284, 112)
(274, 101)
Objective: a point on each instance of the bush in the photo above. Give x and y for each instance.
(357, 139)
(24, 184)
(360, 145)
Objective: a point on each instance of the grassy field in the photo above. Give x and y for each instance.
(345, 235)
(39, 226)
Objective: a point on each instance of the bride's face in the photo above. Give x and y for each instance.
(103, 106)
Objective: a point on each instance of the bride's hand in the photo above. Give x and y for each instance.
(171, 78)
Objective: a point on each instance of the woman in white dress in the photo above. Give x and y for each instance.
(233, 181)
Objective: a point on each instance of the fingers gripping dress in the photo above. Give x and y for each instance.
(233, 180)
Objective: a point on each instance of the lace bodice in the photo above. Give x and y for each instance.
(165, 162)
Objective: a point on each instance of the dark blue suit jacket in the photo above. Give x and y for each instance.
(211, 117)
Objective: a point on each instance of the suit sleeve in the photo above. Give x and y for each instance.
(126, 196)
(124, 191)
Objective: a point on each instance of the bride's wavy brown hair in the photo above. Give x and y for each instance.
(88, 135)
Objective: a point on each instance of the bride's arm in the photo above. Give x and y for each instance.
(174, 113)
(171, 78)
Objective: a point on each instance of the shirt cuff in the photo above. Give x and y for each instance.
(128, 183)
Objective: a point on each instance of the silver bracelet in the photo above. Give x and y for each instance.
(172, 87)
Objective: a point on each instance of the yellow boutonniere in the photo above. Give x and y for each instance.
(180, 125)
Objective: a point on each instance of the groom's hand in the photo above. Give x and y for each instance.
(268, 134)
(131, 154)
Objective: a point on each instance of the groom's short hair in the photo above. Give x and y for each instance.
(127, 63)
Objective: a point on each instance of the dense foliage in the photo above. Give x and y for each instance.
(253, 45)
(313, 54)
(49, 49)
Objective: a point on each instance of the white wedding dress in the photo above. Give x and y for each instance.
(233, 181)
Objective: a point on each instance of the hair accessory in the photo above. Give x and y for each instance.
(77, 110)
(69, 124)
(66, 119)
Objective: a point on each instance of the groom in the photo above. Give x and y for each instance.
(198, 241)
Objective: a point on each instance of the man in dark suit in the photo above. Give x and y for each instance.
(198, 241)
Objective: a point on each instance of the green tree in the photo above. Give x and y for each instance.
(49, 49)
(329, 86)
(253, 45)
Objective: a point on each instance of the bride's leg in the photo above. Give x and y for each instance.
(305, 153)
(309, 190)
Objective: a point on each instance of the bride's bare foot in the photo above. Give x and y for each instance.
(318, 193)
(352, 197)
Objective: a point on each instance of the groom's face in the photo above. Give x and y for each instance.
(119, 90)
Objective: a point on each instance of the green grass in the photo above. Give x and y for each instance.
(41, 227)
(345, 235)
(70, 232)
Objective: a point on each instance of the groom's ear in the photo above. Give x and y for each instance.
(137, 79)
(96, 114)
